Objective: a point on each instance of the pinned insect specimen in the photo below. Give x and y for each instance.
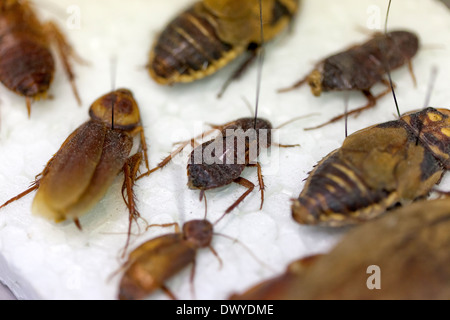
(221, 160)
(376, 169)
(212, 33)
(361, 67)
(26, 61)
(83, 169)
(401, 256)
(272, 288)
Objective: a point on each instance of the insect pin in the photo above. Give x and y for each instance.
(27, 65)
(361, 67)
(212, 33)
(400, 256)
(77, 177)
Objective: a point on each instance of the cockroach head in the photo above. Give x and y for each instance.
(117, 109)
(198, 232)
(432, 126)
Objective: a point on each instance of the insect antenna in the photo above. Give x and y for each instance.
(434, 72)
(387, 66)
(346, 102)
(246, 249)
(260, 62)
(428, 98)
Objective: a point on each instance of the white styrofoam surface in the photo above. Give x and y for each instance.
(42, 260)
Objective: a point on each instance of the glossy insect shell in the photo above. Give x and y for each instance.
(228, 165)
(361, 67)
(210, 34)
(81, 172)
(26, 63)
(410, 246)
(150, 265)
(377, 168)
(126, 111)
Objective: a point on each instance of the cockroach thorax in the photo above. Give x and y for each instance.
(198, 232)
(118, 109)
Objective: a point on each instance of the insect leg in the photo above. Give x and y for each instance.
(65, 51)
(411, 71)
(143, 145)
(261, 181)
(130, 170)
(245, 183)
(191, 278)
(168, 292)
(253, 53)
(33, 187)
(372, 100)
(183, 145)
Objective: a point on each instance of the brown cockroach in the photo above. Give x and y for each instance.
(376, 169)
(151, 264)
(80, 173)
(27, 65)
(212, 33)
(401, 256)
(361, 67)
(272, 288)
(154, 262)
(221, 160)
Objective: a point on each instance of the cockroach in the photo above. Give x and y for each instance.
(376, 169)
(150, 265)
(153, 263)
(361, 67)
(221, 160)
(401, 256)
(80, 173)
(27, 65)
(212, 33)
(271, 289)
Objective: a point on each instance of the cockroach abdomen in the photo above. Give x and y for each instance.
(188, 46)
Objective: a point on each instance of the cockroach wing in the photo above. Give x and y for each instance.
(389, 158)
(81, 172)
(153, 263)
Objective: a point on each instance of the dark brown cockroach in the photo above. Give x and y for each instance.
(361, 67)
(401, 256)
(80, 173)
(272, 288)
(26, 62)
(212, 33)
(221, 160)
(376, 169)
